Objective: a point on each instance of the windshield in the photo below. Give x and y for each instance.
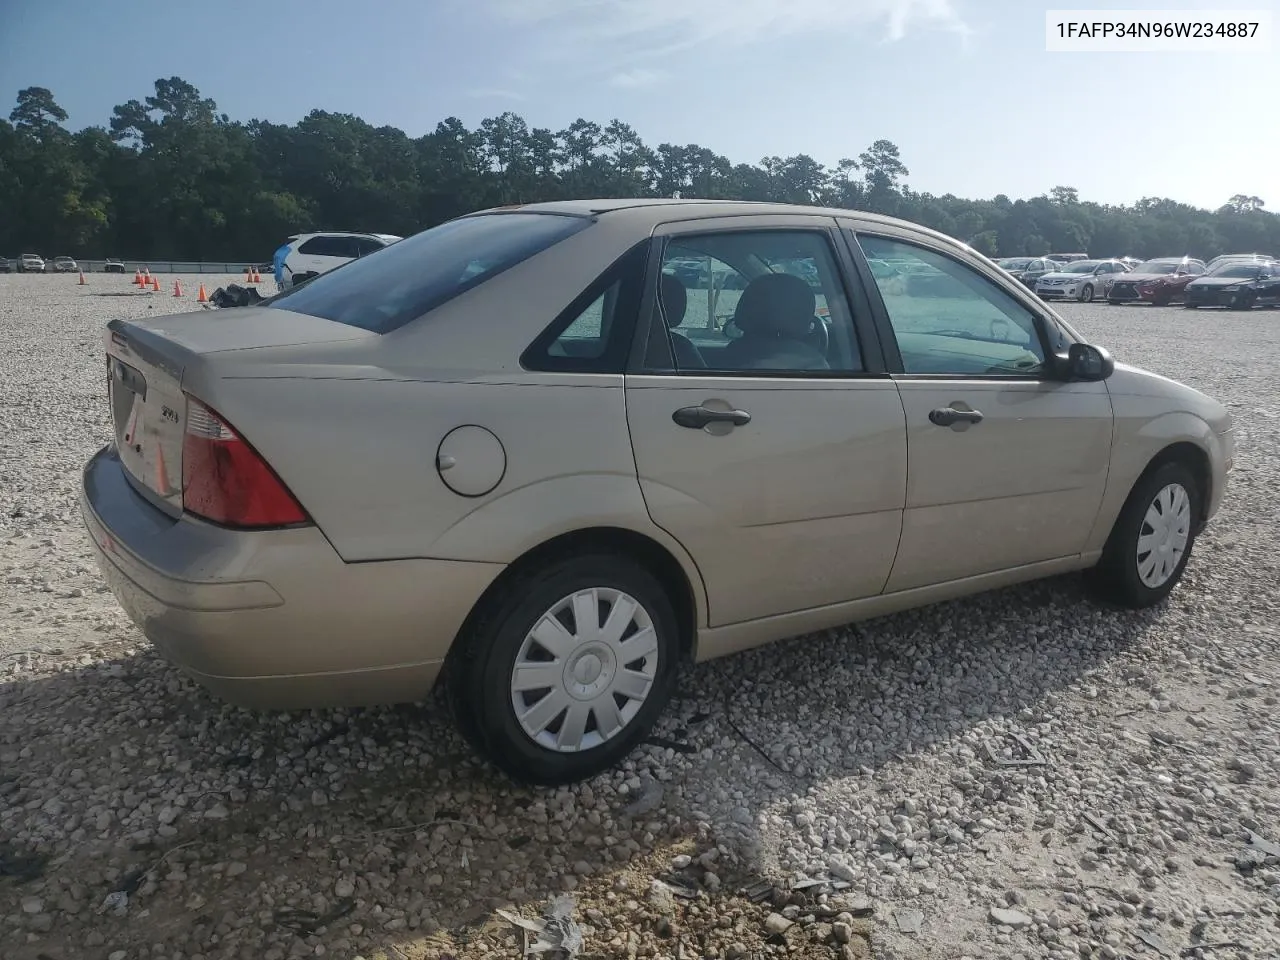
(410, 277)
(1015, 263)
(1157, 266)
(1080, 266)
(1236, 269)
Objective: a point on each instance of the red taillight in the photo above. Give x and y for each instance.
(225, 480)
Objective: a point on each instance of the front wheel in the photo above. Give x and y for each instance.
(567, 670)
(1151, 541)
(1086, 295)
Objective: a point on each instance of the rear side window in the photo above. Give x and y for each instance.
(323, 247)
(418, 274)
(368, 245)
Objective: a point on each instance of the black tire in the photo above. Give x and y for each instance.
(478, 678)
(1116, 577)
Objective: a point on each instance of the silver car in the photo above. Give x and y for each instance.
(517, 455)
(1083, 280)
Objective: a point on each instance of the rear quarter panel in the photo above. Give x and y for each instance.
(360, 455)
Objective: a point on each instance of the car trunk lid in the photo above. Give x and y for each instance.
(146, 361)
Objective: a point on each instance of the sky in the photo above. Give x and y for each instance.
(965, 88)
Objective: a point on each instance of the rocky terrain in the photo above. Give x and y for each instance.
(1023, 774)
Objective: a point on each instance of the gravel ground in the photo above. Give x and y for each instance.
(141, 818)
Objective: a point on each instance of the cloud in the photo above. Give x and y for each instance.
(637, 77)
(644, 29)
(495, 93)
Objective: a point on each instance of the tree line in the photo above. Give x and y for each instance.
(170, 177)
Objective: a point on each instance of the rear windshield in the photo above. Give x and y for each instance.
(410, 277)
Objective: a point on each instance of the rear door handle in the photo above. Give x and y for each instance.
(695, 418)
(950, 416)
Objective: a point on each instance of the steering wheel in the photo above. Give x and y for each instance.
(818, 336)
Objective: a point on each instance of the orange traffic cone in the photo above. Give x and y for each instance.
(82, 279)
(137, 278)
(203, 297)
(155, 284)
(162, 473)
(177, 289)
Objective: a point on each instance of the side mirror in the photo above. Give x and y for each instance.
(1086, 362)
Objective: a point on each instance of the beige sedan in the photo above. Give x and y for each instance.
(517, 454)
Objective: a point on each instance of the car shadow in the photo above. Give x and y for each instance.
(377, 832)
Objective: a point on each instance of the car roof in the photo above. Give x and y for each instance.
(345, 233)
(654, 211)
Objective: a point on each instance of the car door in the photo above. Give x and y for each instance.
(1006, 466)
(777, 461)
(1268, 285)
(324, 252)
(1107, 278)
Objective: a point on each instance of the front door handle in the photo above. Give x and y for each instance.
(950, 416)
(695, 418)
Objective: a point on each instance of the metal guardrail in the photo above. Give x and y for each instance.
(171, 266)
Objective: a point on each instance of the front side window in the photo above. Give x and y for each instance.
(752, 302)
(418, 274)
(952, 320)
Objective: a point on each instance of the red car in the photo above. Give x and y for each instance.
(1158, 282)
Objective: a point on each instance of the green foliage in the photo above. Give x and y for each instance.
(170, 177)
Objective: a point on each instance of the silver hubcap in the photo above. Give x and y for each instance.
(584, 670)
(1162, 541)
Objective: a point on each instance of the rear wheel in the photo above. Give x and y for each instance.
(567, 670)
(1151, 541)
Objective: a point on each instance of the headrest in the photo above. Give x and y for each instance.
(776, 304)
(675, 300)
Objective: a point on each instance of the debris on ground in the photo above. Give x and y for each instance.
(557, 935)
(234, 295)
(1031, 757)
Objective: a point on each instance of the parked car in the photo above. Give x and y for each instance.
(1129, 262)
(312, 254)
(31, 263)
(1066, 257)
(889, 277)
(1239, 256)
(1159, 281)
(1027, 269)
(429, 465)
(65, 265)
(1236, 283)
(114, 266)
(6, 265)
(1083, 280)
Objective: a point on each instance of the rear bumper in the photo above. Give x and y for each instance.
(275, 619)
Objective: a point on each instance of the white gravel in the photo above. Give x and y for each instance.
(172, 826)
